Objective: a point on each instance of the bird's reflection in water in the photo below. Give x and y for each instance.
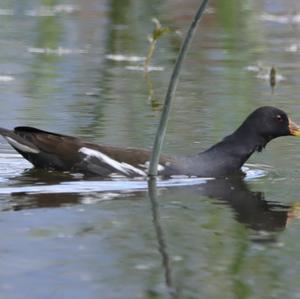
(265, 218)
(23, 200)
(38, 176)
(249, 207)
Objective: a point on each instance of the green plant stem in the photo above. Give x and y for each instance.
(149, 56)
(161, 131)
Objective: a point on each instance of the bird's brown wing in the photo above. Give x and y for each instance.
(49, 150)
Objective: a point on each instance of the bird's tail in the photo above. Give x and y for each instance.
(18, 142)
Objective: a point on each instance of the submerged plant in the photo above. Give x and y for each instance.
(158, 32)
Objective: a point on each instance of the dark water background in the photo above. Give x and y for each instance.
(71, 67)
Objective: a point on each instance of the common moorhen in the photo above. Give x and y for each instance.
(46, 150)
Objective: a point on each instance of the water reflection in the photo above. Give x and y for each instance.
(250, 207)
(20, 201)
(162, 244)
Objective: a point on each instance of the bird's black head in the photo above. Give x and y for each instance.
(267, 123)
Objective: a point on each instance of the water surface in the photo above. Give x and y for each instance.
(75, 68)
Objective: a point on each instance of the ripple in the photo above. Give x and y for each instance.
(58, 51)
(11, 164)
(263, 72)
(107, 196)
(121, 57)
(281, 19)
(293, 48)
(142, 68)
(252, 174)
(256, 171)
(110, 187)
(266, 77)
(50, 11)
(100, 186)
(5, 78)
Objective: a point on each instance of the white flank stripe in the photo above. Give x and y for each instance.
(122, 167)
(136, 170)
(159, 166)
(20, 146)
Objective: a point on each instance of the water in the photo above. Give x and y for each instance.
(76, 67)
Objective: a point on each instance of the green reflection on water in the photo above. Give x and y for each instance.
(40, 83)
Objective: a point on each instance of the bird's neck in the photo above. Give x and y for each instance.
(237, 147)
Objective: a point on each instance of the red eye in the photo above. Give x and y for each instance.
(279, 118)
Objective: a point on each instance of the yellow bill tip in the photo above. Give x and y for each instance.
(294, 128)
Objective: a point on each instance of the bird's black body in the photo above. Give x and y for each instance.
(48, 150)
